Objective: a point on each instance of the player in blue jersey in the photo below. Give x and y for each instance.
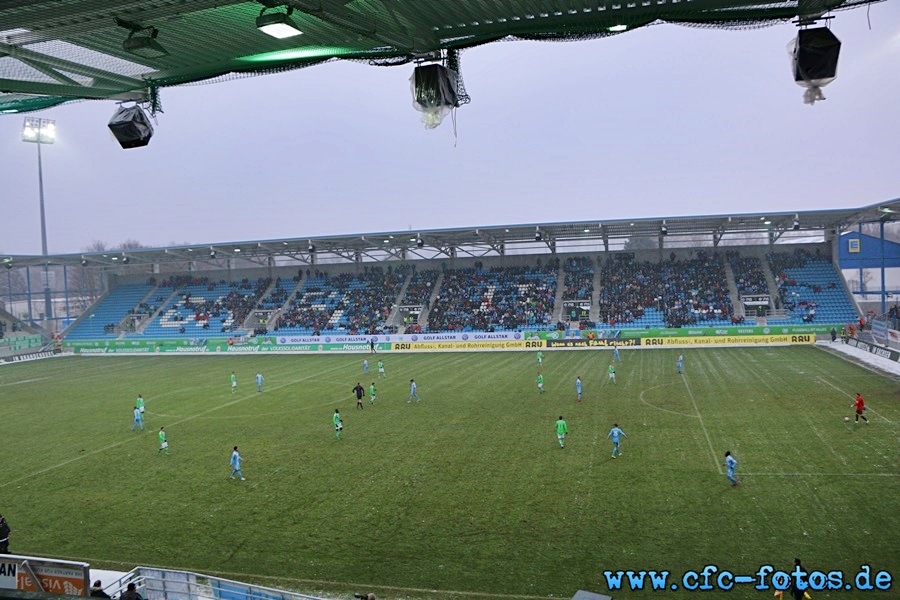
(614, 433)
(366, 366)
(616, 357)
(412, 391)
(730, 464)
(236, 464)
(138, 419)
(680, 364)
(259, 382)
(578, 388)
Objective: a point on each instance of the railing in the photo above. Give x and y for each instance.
(162, 584)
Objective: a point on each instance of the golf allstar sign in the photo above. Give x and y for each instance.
(33, 574)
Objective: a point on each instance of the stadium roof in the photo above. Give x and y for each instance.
(55, 51)
(584, 236)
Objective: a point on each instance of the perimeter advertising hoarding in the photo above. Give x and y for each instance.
(876, 350)
(587, 343)
(724, 340)
(460, 345)
(53, 576)
(622, 334)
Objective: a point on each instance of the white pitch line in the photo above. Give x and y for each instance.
(703, 426)
(851, 396)
(674, 412)
(184, 420)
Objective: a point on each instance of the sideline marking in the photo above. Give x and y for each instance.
(852, 397)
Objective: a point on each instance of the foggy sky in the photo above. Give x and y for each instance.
(661, 121)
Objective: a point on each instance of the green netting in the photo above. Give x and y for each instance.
(55, 51)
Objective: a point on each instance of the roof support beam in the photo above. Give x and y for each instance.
(334, 12)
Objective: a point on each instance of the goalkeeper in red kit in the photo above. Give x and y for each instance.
(860, 405)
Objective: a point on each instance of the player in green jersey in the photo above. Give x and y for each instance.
(540, 382)
(561, 430)
(163, 444)
(338, 424)
(372, 393)
(612, 374)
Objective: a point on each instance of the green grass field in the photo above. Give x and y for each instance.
(466, 491)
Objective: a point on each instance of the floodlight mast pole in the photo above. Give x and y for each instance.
(35, 131)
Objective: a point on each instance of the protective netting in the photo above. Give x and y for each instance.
(55, 51)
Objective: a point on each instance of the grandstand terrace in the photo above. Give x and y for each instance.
(470, 279)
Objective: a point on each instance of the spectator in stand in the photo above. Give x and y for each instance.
(4, 535)
(131, 593)
(97, 590)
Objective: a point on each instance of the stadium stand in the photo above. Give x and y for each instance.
(674, 293)
(345, 302)
(579, 278)
(748, 273)
(200, 307)
(810, 289)
(420, 287)
(102, 319)
(495, 299)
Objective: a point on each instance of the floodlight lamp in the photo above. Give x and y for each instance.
(277, 24)
(41, 131)
(617, 28)
(84, 262)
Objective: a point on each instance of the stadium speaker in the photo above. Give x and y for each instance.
(815, 55)
(131, 127)
(419, 242)
(84, 262)
(311, 248)
(125, 260)
(537, 236)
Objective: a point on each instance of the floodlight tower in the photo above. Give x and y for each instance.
(40, 132)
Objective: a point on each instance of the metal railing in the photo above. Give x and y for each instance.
(163, 584)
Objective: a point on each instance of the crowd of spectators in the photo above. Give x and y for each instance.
(420, 287)
(579, 282)
(748, 274)
(362, 303)
(792, 294)
(510, 298)
(687, 292)
(220, 311)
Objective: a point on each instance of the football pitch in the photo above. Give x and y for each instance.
(466, 493)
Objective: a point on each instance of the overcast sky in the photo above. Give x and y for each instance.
(662, 121)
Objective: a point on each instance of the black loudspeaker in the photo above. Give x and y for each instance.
(435, 85)
(131, 127)
(816, 54)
